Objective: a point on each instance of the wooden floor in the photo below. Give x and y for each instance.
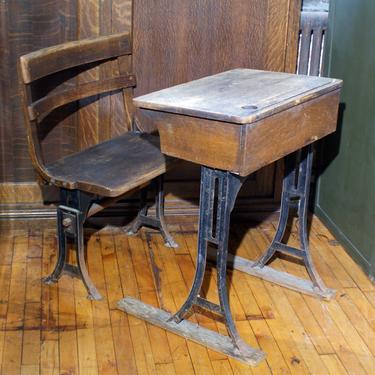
(56, 330)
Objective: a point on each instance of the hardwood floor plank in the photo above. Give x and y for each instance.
(12, 352)
(68, 345)
(279, 329)
(30, 370)
(88, 364)
(32, 320)
(222, 367)
(165, 369)
(333, 364)
(253, 340)
(104, 345)
(343, 279)
(87, 359)
(120, 324)
(352, 268)
(178, 345)
(355, 341)
(55, 329)
(50, 298)
(363, 305)
(49, 358)
(6, 248)
(5, 278)
(358, 321)
(371, 297)
(296, 300)
(12, 355)
(181, 269)
(158, 337)
(142, 346)
(176, 268)
(138, 328)
(338, 341)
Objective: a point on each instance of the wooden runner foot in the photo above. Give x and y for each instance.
(278, 277)
(191, 331)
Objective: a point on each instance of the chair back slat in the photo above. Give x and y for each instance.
(50, 102)
(50, 60)
(51, 78)
(313, 29)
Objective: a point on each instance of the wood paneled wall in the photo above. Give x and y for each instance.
(255, 33)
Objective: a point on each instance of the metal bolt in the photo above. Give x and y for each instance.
(67, 222)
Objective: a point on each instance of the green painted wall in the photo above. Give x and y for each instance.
(345, 198)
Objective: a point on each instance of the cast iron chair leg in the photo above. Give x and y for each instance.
(132, 228)
(159, 202)
(62, 252)
(93, 293)
(71, 215)
(143, 219)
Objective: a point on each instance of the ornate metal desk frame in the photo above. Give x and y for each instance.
(221, 183)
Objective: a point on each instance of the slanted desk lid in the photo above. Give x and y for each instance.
(240, 96)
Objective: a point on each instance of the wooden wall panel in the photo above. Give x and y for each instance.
(28, 26)
(175, 41)
(206, 37)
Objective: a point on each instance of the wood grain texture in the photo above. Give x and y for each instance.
(199, 140)
(236, 26)
(240, 96)
(55, 329)
(244, 149)
(41, 63)
(50, 102)
(111, 168)
(209, 122)
(296, 128)
(182, 45)
(25, 28)
(20, 192)
(181, 50)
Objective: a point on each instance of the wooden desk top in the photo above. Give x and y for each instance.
(239, 96)
(242, 119)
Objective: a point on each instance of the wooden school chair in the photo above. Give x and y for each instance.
(91, 179)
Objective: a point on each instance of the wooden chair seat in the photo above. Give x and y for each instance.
(111, 168)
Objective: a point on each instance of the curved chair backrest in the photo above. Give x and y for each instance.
(46, 62)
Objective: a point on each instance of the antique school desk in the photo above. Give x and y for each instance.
(234, 123)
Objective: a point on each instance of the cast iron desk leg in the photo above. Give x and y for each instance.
(296, 189)
(218, 193)
(296, 186)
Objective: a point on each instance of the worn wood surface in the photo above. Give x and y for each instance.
(190, 331)
(109, 168)
(261, 27)
(207, 121)
(50, 102)
(40, 24)
(184, 46)
(55, 329)
(53, 59)
(281, 278)
(240, 96)
(113, 167)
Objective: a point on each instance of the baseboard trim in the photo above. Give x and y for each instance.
(257, 208)
(348, 245)
(20, 192)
